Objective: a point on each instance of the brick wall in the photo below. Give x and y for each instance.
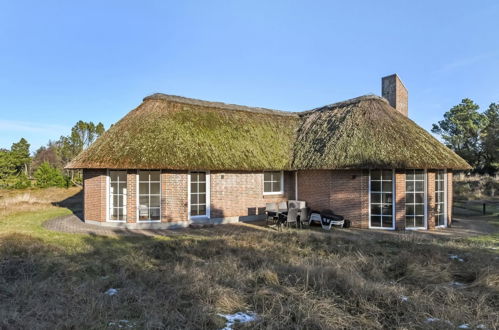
(94, 195)
(241, 193)
(431, 199)
(343, 191)
(131, 198)
(174, 199)
(400, 199)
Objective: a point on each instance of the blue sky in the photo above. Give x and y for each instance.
(62, 61)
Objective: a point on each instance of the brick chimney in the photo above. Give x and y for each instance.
(395, 92)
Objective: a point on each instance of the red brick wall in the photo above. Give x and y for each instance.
(343, 191)
(174, 199)
(131, 198)
(94, 195)
(400, 199)
(241, 193)
(450, 198)
(431, 199)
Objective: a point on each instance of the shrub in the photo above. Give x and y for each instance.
(48, 176)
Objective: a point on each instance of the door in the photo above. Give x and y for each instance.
(199, 195)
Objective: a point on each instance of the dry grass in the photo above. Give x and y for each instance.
(292, 280)
(14, 201)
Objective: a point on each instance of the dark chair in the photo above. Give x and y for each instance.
(329, 218)
(271, 212)
(291, 218)
(304, 216)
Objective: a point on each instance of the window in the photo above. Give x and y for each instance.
(273, 182)
(198, 194)
(149, 192)
(117, 195)
(381, 199)
(415, 203)
(440, 204)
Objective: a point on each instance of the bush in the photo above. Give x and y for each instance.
(21, 182)
(48, 176)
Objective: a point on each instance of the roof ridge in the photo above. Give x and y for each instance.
(219, 105)
(229, 106)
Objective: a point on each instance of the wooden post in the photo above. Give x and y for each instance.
(484, 208)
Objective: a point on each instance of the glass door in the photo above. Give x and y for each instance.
(440, 204)
(415, 201)
(381, 199)
(199, 195)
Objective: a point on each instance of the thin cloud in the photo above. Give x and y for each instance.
(463, 62)
(32, 127)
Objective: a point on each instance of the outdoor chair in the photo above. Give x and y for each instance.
(329, 219)
(290, 218)
(304, 216)
(282, 207)
(271, 212)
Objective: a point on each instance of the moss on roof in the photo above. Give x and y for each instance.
(172, 132)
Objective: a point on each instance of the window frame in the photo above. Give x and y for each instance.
(137, 195)
(393, 202)
(208, 196)
(281, 188)
(425, 200)
(444, 202)
(108, 195)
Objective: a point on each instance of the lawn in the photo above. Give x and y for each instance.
(291, 279)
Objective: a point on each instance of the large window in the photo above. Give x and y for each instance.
(199, 194)
(117, 195)
(440, 204)
(381, 199)
(415, 199)
(273, 182)
(149, 195)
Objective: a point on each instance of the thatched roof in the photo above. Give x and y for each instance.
(172, 132)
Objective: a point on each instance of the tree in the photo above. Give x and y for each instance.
(83, 134)
(20, 155)
(462, 129)
(7, 168)
(491, 139)
(48, 176)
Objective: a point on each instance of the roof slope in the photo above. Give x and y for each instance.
(367, 132)
(172, 132)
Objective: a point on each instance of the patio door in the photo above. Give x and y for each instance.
(199, 195)
(415, 199)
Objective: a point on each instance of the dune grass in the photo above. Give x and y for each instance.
(294, 279)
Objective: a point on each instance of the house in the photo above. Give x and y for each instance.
(173, 161)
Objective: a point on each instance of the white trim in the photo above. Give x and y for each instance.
(108, 193)
(208, 197)
(137, 182)
(280, 192)
(393, 203)
(425, 199)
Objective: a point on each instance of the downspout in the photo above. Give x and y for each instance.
(296, 185)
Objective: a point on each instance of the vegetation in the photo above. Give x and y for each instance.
(176, 133)
(294, 279)
(17, 167)
(472, 135)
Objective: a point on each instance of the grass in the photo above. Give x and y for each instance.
(294, 279)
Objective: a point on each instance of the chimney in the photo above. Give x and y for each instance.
(395, 92)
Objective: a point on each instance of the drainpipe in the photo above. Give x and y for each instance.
(296, 185)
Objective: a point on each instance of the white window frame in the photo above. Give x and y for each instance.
(208, 196)
(425, 199)
(281, 191)
(108, 193)
(137, 195)
(394, 220)
(444, 213)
